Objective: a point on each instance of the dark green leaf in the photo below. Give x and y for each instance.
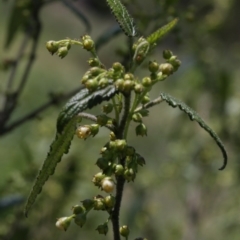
(59, 146)
(82, 101)
(122, 16)
(195, 117)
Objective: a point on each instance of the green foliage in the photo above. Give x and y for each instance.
(59, 146)
(122, 16)
(82, 101)
(173, 102)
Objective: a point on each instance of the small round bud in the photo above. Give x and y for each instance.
(94, 129)
(99, 204)
(138, 88)
(128, 85)
(80, 219)
(109, 201)
(83, 132)
(97, 179)
(119, 84)
(124, 231)
(145, 99)
(166, 68)
(102, 229)
(137, 117)
(102, 119)
(153, 66)
(129, 174)
(63, 223)
(107, 185)
(62, 52)
(52, 46)
(88, 44)
(119, 170)
(128, 76)
(107, 108)
(85, 78)
(141, 130)
(146, 82)
(95, 71)
(91, 85)
(117, 66)
(120, 144)
(88, 204)
(167, 54)
(112, 136)
(77, 209)
(103, 82)
(93, 62)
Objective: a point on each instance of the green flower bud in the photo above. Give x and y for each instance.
(83, 132)
(141, 130)
(166, 69)
(109, 201)
(129, 174)
(80, 219)
(97, 179)
(128, 85)
(145, 99)
(153, 66)
(124, 231)
(128, 76)
(94, 129)
(146, 82)
(107, 108)
(167, 54)
(138, 88)
(102, 119)
(102, 229)
(77, 209)
(85, 78)
(119, 84)
(130, 151)
(88, 204)
(137, 117)
(93, 62)
(62, 52)
(119, 170)
(99, 204)
(52, 46)
(117, 66)
(120, 144)
(95, 71)
(107, 185)
(103, 82)
(63, 223)
(112, 136)
(87, 43)
(91, 85)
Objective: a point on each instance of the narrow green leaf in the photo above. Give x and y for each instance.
(173, 102)
(161, 32)
(122, 16)
(82, 101)
(59, 146)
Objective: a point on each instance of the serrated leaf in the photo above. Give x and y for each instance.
(122, 16)
(161, 32)
(173, 102)
(82, 101)
(59, 146)
(19, 17)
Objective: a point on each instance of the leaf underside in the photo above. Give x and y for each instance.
(173, 102)
(59, 146)
(122, 16)
(81, 101)
(161, 32)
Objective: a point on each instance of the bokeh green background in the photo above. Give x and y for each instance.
(179, 194)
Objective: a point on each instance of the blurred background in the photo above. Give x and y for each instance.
(179, 194)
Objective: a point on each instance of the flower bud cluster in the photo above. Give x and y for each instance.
(61, 48)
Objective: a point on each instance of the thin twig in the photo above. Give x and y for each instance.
(150, 104)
